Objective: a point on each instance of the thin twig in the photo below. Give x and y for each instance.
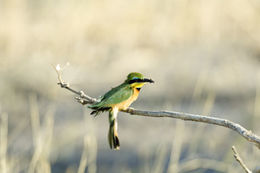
(240, 161)
(247, 134)
(83, 98)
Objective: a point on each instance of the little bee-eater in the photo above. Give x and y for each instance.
(119, 98)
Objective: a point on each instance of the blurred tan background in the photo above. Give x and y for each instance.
(203, 55)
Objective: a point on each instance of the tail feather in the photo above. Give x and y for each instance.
(113, 139)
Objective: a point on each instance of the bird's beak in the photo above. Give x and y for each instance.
(147, 80)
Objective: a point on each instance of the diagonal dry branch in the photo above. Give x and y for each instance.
(247, 134)
(240, 161)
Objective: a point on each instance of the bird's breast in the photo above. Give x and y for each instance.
(125, 104)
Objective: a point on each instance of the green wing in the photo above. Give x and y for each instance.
(114, 96)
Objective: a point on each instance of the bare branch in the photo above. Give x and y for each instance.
(240, 161)
(247, 134)
(83, 98)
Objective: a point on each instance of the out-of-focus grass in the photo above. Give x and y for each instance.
(203, 56)
(4, 164)
(42, 138)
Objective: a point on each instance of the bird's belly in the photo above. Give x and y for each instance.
(125, 104)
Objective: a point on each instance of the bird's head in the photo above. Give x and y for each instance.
(137, 80)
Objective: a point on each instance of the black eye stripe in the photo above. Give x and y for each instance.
(135, 80)
(140, 81)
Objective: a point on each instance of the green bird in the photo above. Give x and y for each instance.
(119, 98)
